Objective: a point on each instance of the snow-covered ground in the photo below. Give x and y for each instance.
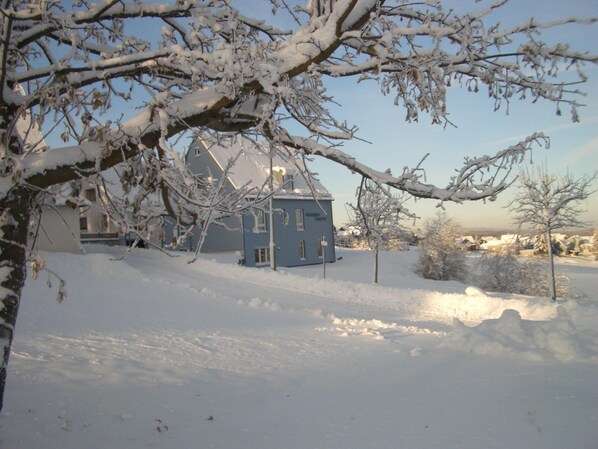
(151, 351)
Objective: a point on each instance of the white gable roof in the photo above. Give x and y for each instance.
(28, 129)
(33, 141)
(251, 168)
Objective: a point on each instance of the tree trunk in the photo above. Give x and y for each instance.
(552, 278)
(14, 221)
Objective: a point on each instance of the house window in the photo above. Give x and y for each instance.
(262, 256)
(90, 195)
(83, 223)
(302, 250)
(288, 183)
(285, 217)
(299, 219)
(260, 221)
(105, 222)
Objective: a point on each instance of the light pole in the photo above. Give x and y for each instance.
(324, 244)
(272, 245)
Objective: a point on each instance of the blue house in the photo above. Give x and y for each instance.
(301, 211)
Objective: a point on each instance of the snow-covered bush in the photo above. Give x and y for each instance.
(505, 273)
(574, 246)
(441, 257)
(540, 247)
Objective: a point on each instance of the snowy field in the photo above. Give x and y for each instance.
(153, 352)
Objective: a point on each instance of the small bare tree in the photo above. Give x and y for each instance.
(550, 202)
(378, 214)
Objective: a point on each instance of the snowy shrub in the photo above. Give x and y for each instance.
(505, 273)
(574, 246)
(396, 243)
(441, 257)
(540, 246)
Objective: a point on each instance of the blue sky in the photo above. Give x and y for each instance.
(480, 131)
(396, 143)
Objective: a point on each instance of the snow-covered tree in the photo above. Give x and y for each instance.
(139, 198)
(117, 81)
(541, 245)
(440, 254)
(550, 202)
(573, 245)
(378, 215)
(505, 273)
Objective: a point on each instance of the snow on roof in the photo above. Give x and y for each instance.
(28, 129)
(252, 168)
(33, 140)
(113, 187)
(60, 195)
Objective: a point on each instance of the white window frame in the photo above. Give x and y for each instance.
(262, 255)
(300, 219)
(288, 181)
(91, 195)
(260, 221)
(284, 217)
(302, 250)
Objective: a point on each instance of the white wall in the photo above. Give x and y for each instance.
(59, 230)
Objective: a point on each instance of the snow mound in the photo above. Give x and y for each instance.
(375, 328)
(474, 291)
(259, 303)
(555, 340)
